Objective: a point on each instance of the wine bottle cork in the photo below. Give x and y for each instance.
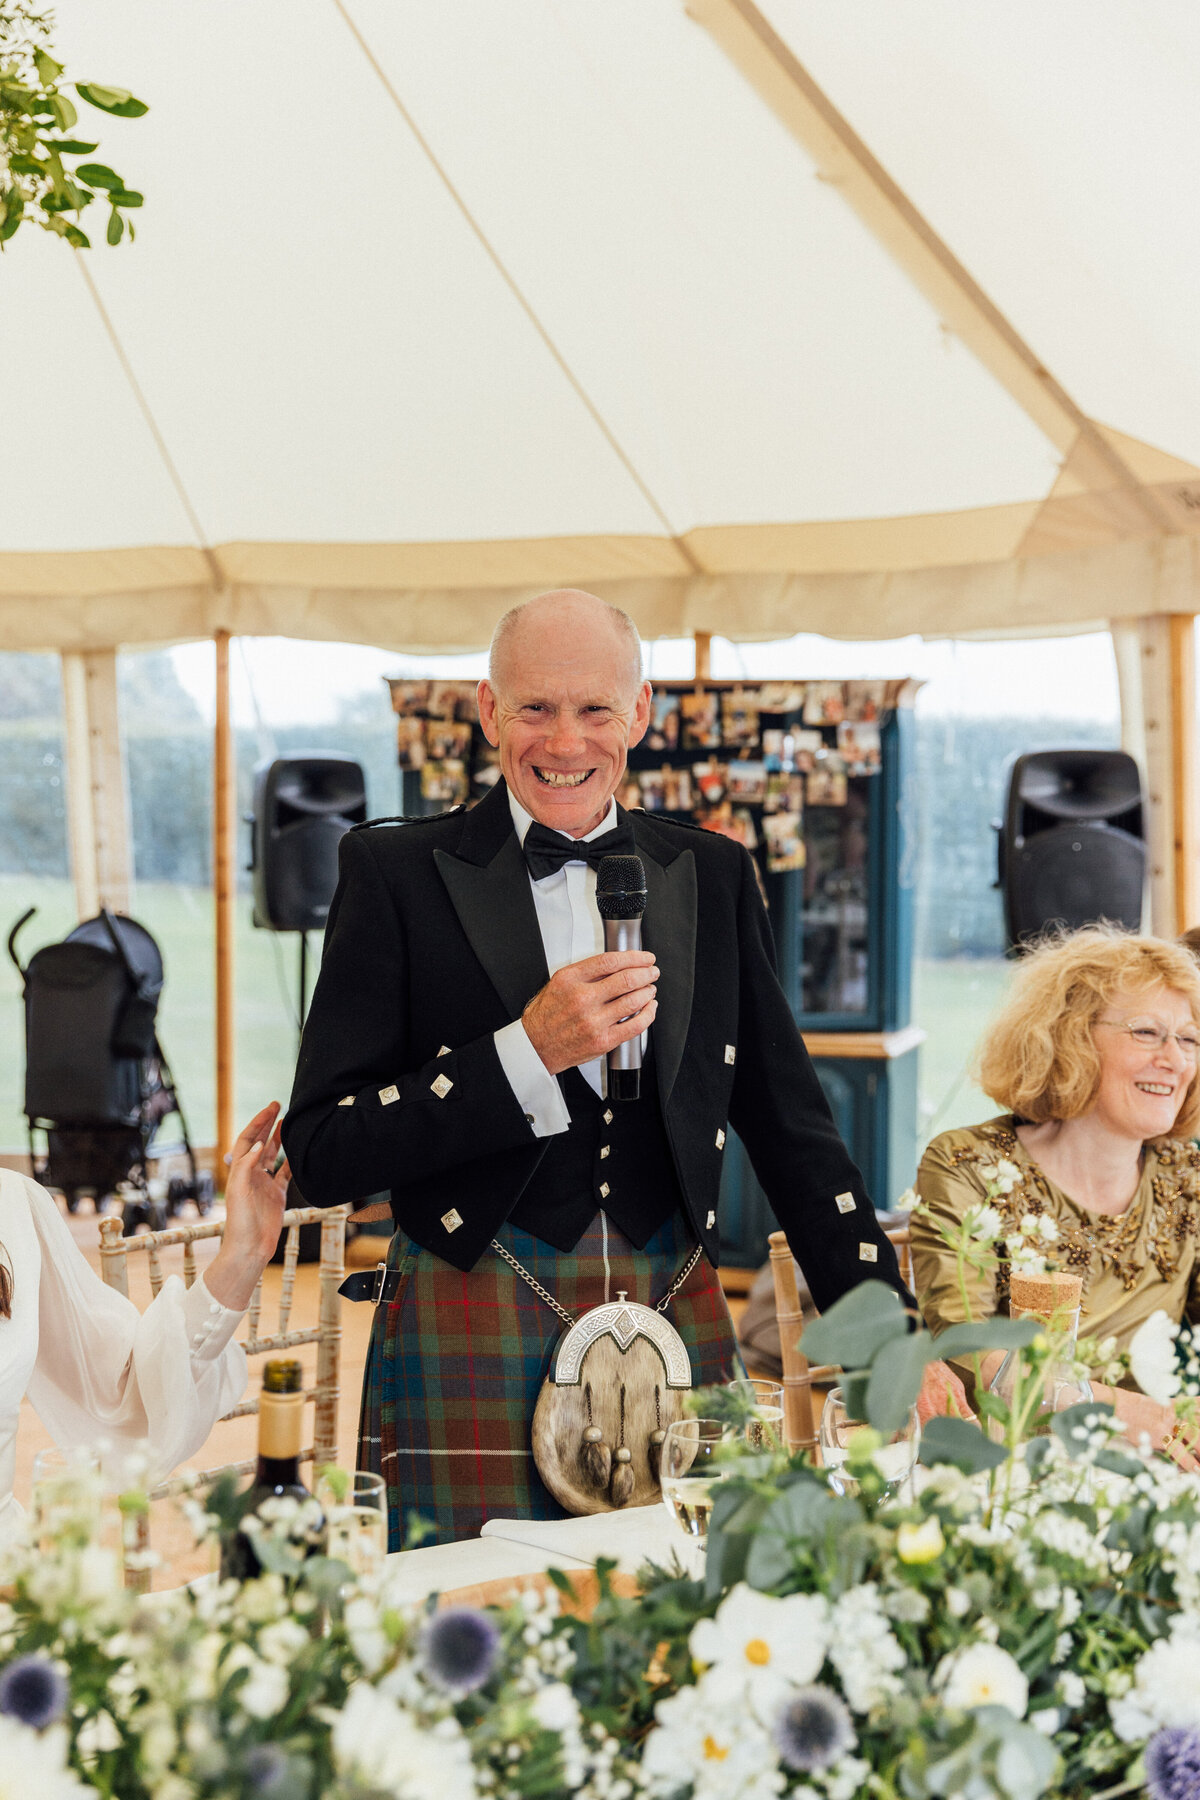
(1042, 1296)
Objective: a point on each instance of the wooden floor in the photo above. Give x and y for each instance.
(232, 1441)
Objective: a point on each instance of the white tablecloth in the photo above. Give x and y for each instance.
(528, 1546)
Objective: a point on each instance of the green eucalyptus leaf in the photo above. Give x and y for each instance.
(959, 1442)
(62, 112)
(22, 164)
(71, 146)
(896, 1380)
(48, 70)
(989, 1334)
(1072, 1418)
(125, 197)
(856, 1327)
(116, 227)
(808, 1517)
(11, 222)
(98, 175)
(118, 101)
(78, 238)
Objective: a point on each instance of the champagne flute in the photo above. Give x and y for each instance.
(763, 1399)
(355, 1508)
(695, 1455)
(895, 1458)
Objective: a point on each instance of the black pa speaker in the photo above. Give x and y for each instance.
(1071, 847)
(303, 807)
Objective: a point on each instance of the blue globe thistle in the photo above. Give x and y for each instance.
(813, 1729)
(33, 1691)
(1173, 1764)
(265, 1767)
(459, 1648)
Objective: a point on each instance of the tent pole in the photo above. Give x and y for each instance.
(1182, 640)
(703, 643)
(80, 812)
(97, 791)
(224, 898)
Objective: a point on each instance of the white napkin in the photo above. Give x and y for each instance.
(638, 1535)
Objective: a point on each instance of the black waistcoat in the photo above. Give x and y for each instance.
(615, 1158)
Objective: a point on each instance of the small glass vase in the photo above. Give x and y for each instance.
(1054, 1300)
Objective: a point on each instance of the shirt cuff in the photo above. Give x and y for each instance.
(537, 1092)
(208, 1324)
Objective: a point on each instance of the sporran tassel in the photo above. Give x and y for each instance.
(621, 1487)
(595, 1457)
(655, 1443)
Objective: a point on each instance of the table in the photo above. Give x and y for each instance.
(525, 1548)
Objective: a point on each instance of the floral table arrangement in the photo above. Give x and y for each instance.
(1026, 1623)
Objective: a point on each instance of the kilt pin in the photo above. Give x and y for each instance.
(456, 1361)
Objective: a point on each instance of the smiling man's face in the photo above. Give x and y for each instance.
(564, 704)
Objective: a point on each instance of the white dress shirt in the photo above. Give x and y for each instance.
(572, 929)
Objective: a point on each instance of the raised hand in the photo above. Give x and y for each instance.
(255, 1198)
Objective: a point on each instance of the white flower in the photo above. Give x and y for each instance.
(97, 1734)
(555, 1707)
(983, 1223)
(33, 1765)
(758, 1642)
(1164, 1691)
(706, 1738)
(982, 1675)
(377, 1744)
(282, 1642)
(263, 1599)
(863, 1650)
(1152, 1357)
(958, 1602)
(1071, 1690)
(266, 1690)
(367, 1637)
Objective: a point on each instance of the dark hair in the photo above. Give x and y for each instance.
(6, 1287)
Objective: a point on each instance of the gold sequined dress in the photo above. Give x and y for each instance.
(1132, 1264)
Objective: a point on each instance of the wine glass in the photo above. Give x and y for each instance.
(356, 1519)
(763, 1400)
(895, 1458)
(695, 1457)
(67, 1497)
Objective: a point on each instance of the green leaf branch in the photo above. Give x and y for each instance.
(42, 182)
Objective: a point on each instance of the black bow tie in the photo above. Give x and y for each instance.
(546, 851)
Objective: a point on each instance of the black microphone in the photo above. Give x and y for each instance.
(621, 898)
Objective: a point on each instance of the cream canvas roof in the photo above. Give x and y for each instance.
(861, 319)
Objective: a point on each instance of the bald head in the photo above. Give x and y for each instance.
(563, 702)
(570, 621)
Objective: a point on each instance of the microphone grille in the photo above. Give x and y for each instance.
(621, 887)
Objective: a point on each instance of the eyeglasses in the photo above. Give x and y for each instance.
(1151, 1035)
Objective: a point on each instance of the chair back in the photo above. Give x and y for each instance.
(799, 1375)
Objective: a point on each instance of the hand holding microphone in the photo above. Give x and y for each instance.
(621, 901)
(598, 1006)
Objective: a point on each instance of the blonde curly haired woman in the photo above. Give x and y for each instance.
(1094, 1058)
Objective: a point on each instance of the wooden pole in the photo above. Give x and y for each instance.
(81, 819)
(1182, 639)
(703, 641)
(225, 901)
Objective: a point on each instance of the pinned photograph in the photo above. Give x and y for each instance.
(734, 822)
(739, 718)
(859, 747)
(806, 747)
(653, 789)
(663, 732)
(773, 746)
(452, 700)
(677, 789)
(446, 738)
(444, 781)
(711, 780)
(825, 787)
(865, 700)
(409, 697)
(410, 742)
(781, 696)
(701, 720)
(785, 844)
(785, 793)
(824, 703)
(747, 783)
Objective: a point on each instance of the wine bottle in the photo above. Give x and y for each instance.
(280, 1426)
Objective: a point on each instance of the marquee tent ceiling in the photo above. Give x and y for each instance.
(744, 320)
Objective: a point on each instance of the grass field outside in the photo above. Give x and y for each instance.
(953, 1000)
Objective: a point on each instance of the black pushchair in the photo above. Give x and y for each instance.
(97, 1083)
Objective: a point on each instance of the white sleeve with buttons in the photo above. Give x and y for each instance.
(103, 1370)
(536, 1089)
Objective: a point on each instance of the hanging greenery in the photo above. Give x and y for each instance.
(42, 180)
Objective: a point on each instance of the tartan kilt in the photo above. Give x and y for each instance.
(456, 1362)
